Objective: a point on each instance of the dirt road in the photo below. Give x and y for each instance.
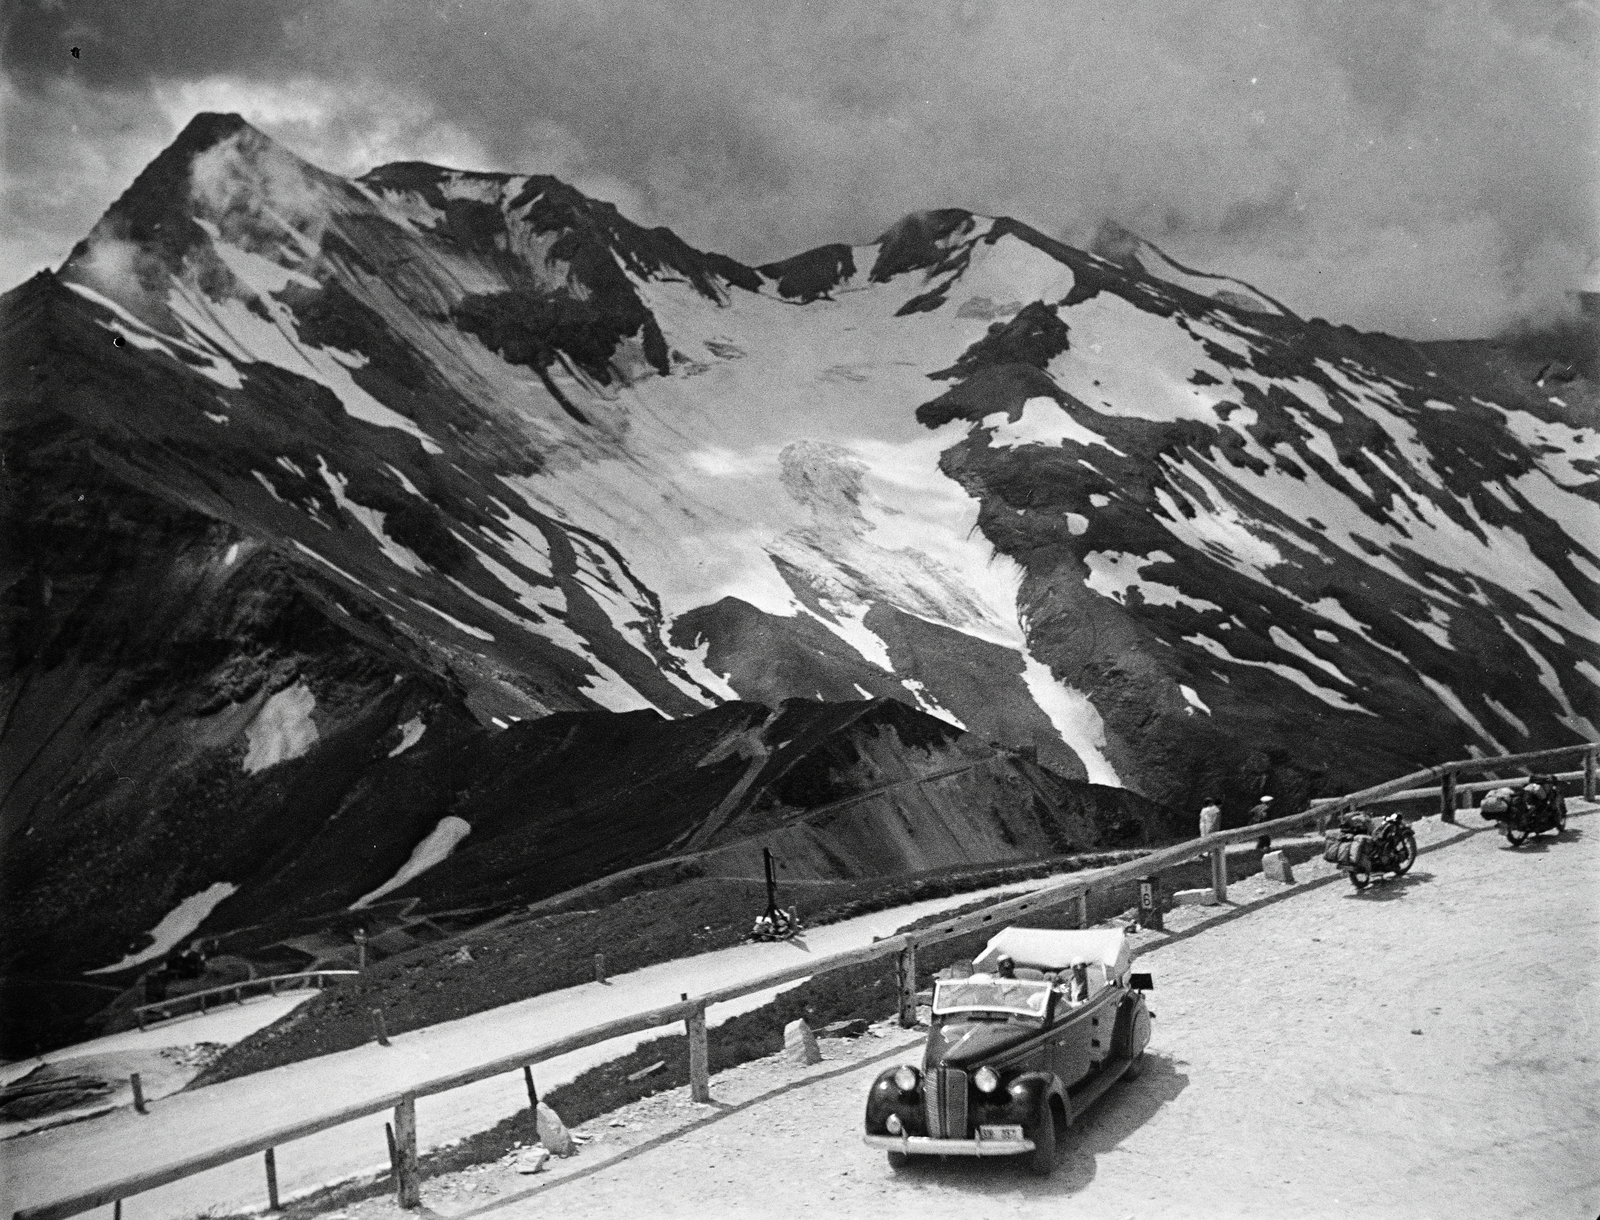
(1428, 1049)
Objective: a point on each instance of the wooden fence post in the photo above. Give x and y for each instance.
(599, 967)
(408, 1178)
(1219, 873)
(138, 1093)
(272, 1180)
(699, 1068)
(1588, 775)
(533, 1093)
(905, 977)
(1447, 797)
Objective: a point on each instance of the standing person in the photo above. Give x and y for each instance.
(1262, 813)
(1210, 821)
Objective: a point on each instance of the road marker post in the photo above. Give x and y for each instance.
(599, 967)
(1150, 902)
(1447, 797)
(533, 1093)
(1219, 873)
(138, 1093)
(1588, 776)
(1083, 909)
(379, 1027)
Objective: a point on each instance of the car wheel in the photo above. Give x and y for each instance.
(898, 1161)
(1042, 1160)
(1408, 856)
(1135, 1069)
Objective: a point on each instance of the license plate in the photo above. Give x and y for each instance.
(1000, 1134)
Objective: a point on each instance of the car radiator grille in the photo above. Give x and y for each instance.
(945, 1098)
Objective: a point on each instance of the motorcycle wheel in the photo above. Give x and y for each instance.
(1516, 836)
(1405, 856)
(1360, 879)
(1561, 819)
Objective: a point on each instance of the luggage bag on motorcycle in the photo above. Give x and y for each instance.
(1348, 851)
(1330, 846)
(1355, 822)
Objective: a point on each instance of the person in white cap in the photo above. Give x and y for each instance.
(1262, 813)
(1210, 820)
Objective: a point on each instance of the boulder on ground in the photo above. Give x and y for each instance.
(531, 1160)
(553, 1133)
(800, 1044)
(1275, 867)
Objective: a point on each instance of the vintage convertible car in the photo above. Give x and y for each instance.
(1043, 1024)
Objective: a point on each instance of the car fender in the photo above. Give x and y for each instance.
(1131, 1033)
(885, 1098)
(1039, 1088)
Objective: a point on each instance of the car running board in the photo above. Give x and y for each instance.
(1086, 1094)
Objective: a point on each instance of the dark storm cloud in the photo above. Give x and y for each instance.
(1424, 168)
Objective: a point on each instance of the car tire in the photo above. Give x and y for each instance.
(899, 1161)
(1042, 1160)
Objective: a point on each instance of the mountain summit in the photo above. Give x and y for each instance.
(288, 453)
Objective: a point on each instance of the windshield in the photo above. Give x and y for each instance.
(1006, 997)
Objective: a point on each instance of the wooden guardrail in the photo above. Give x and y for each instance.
(692, 1009)
(271, 982)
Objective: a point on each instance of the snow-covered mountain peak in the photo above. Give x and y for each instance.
(1064, 498)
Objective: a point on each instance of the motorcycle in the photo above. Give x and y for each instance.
(1535, 807)
(1364, 847)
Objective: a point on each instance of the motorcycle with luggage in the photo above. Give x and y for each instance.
(1365, 847)
(1523, 812)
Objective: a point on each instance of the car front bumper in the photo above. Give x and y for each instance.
(927, 1145)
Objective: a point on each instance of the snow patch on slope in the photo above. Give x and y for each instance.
(1330, 697)
(410, 733)
(441, 841)
(1074, 717)
(1112, 574)
(1043, 421)
(282, 729)
(174, 926)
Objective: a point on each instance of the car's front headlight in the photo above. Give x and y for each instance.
(906, 1078)
(986, 1079)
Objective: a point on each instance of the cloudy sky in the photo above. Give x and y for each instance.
(1427, 168)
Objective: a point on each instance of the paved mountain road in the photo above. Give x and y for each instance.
(45, 1165)
(1428, 1049)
